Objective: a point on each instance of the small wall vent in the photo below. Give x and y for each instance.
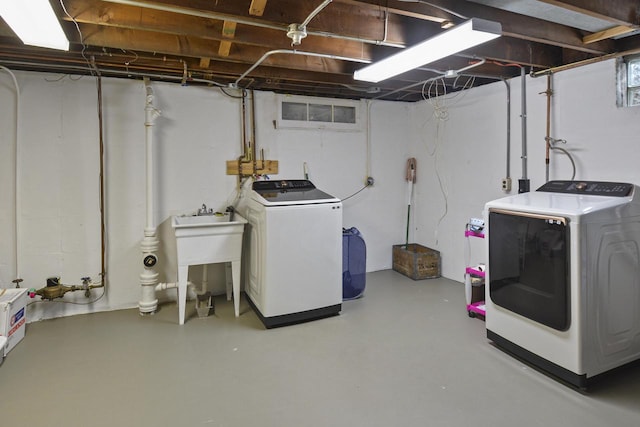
(310, 113)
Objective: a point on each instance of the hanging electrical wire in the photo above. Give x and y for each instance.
(552, 146)
(357, 192)
(84, 46)
(223, 90)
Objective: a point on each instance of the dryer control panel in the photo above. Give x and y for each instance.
(591, 188)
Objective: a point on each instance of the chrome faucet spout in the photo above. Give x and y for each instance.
(203, 210)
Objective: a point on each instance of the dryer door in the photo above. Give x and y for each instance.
(529, 266)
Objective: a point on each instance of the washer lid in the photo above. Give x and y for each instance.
(289, 192)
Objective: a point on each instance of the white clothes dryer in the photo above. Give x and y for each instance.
(563, 277)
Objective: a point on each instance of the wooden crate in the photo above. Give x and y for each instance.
(416, 261)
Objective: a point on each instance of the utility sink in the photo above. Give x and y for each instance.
(207, 239)
(207, 221)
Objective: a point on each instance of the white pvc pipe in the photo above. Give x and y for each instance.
(16, 194)
(150, 115)
(149, 277)
(205, 278)
(172, 285)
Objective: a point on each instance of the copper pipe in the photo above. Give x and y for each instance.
(254, 153)
(103, 271)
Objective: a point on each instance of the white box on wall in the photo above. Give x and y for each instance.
(13, 304)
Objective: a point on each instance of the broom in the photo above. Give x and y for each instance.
(411, 179)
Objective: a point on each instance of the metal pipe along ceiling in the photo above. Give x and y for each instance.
(245, 21)
(296, 52)
(313, 14)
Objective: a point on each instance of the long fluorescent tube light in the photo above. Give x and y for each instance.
(461, 37)
(34, 22)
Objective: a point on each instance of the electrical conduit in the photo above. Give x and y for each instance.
(547, 138)
(248, 21)
(296, 52)
(524, 182)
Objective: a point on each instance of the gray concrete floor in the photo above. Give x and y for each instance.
(406, 354)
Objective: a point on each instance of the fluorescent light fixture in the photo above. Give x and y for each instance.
(34, 22)
(461, 37)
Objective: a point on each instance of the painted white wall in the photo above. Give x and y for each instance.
(58, 181)
(198, 131)
(337, 164)
(468, 150)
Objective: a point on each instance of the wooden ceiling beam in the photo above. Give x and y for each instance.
(422, 11)
(178, 45)
(228, 32)
(257, 7)
(339, 20)
(139, 41)
(607, 34)
(152, 21)
(619, 12)
(225, 38)
(523, 27)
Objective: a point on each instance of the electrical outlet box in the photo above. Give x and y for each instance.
(506, 184)
(476, 222)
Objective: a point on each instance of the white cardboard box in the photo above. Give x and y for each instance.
(13, 304)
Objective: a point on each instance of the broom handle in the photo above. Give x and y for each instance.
(408, 216)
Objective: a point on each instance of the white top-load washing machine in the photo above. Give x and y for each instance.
(563, 277)
(294, 251)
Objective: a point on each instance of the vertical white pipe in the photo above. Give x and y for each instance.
(150, 115)
(205, 278)
(16, 194)
(148, 303)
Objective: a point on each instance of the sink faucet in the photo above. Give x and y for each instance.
(203, 210)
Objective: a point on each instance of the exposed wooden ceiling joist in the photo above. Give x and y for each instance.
(618, 12)
(223, 39)
(257, 7)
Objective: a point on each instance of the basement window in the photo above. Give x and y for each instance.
(309, 113)
(629, 81)
(633, 81)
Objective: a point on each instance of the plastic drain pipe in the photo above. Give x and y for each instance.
(16, 188)
(148, 303)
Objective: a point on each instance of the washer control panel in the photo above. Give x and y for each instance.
(591, 188)
(283, 185)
